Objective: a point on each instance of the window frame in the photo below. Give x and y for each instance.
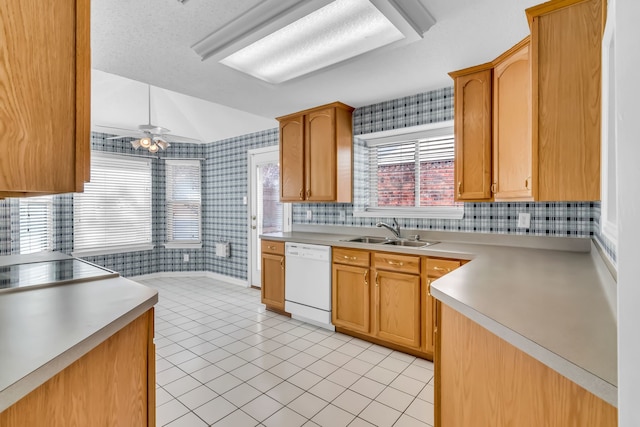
(77, 202)
(414, 133)
(182, 243)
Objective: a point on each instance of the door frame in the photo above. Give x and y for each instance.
(253, 251)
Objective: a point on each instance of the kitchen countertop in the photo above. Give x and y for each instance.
(44, 330)
(551, 304)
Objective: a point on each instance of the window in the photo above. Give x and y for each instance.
(36, 224)
(114, 212)
(183, 203)
(412, 174)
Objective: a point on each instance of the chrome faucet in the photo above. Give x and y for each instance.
(395, 229)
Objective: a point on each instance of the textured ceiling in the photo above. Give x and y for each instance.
(150, 41)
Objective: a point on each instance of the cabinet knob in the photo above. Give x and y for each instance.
(301, 194)
(493, 188)
(526, 183)
(308, 193)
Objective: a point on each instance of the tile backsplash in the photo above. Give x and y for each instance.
(224, 183)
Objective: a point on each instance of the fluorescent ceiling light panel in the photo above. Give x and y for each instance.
(341, 30)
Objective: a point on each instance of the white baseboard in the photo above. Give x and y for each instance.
(208, 274)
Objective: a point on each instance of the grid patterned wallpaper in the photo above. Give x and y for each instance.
(224, 183)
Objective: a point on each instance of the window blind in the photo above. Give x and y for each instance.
(36, 224)
(183, 201)
(412, 174)
(114, 212)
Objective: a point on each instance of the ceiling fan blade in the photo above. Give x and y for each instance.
(178, 138)
(116, 130)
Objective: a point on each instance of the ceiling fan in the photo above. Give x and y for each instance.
(149, 136)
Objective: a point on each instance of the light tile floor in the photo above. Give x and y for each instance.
(223, 360)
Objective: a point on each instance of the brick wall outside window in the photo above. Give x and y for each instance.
(396, 185)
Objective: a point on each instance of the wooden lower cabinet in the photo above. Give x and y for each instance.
(273, 265)
(112, 385)
(483, 381)
(397, 317)
(351, 297)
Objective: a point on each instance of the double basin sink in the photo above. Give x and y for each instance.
(394, 242)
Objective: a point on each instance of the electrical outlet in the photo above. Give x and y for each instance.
(185, 257)
(343, 216)
(524, 220)
(309, 215)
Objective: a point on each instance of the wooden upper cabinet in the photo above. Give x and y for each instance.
(514, 175)
(316, 149)
(292, 180)
(45, 90)
(566, 41)
(472, 133)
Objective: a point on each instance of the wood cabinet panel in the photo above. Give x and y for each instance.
(398, 308)
(513, 171)
(44, 143)
(320, 158)
(112, 385)
(292, 159)
(272, 289)
(566, 58)
(272, 247)
(351, 256)
(396, 262)
(432, 269)
(316, 147)
(482, 380)
(473, 134)
(351, 297)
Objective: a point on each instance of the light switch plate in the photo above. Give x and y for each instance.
(343, 216)
(185, 257)
(524, 220)
(309, 215)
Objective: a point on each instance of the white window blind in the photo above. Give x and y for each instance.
(183, 198)
(36, 224)
(412, 173)
(114, 212)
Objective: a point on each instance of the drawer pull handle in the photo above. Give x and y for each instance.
(352, 258)
(366, 273)
(526, 182)
(428, 287)
(459, 189)
(436, 268)
(301, 194)
(399, 263)
(308, 193)
(273, 248)
(493, 188)
(376, 279)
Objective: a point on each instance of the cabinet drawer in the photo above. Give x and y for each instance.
(439, 267)
(351, 257)
(396, 262)
(271, 247)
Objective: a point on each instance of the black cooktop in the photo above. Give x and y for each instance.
(50, 272)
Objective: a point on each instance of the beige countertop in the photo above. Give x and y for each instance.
(555, 305)
(44, 330)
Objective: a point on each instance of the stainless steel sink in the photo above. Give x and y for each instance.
(410, 243)
(369, 239)
(384, 241)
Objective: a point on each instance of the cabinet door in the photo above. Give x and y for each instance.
(398, 308)
(351, 297)
(45, 92)
(273, 281)
(473, 136)
(512, 148)
(292, 159)
(566, 69)
(320, 155)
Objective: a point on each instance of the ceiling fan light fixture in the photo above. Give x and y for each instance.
(145, 142)
(135, 143)
(154, 148)
(161, 143)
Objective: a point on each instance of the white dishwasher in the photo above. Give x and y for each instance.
(307, 287)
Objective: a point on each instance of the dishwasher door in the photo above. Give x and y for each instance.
(308, 282)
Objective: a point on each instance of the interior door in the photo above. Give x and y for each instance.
(266, 213)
